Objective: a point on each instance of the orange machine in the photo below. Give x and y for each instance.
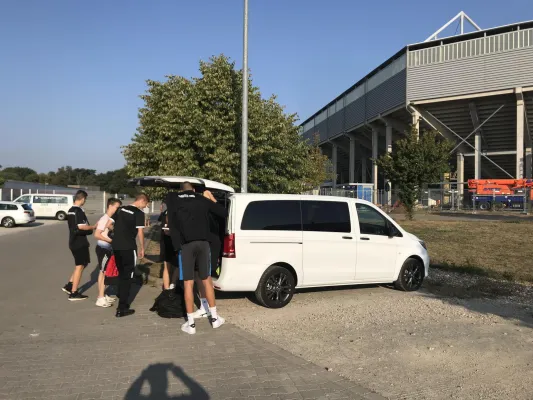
(498, 186)
(506, 192)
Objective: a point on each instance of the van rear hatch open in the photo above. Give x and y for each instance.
(219, 190)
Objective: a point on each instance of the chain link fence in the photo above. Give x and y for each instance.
(446, 198)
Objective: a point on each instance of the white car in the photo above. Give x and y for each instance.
(13, 214)
(48, 205)
(277, 243)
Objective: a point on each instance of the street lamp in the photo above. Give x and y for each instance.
(244, 143)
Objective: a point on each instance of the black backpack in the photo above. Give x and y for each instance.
(170, 304)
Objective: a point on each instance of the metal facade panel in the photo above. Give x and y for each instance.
(490, 72)
(336, 123)
(322, 130)
(388, 95)
(354, 113)
(309, 135)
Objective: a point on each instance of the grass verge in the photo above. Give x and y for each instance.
(494, 249)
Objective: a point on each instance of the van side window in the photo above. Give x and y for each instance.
(371, 222)
(24, 199)
(272, 215)
(326, 216)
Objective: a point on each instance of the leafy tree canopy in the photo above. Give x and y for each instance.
(192, 127)
(416, 162)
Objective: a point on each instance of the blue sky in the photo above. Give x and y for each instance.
(71, 71)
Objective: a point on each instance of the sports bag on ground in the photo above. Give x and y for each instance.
(170, 304)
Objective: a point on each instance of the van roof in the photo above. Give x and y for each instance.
(301, 196)
(173, 181)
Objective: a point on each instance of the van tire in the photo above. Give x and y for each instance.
(61, 216)
(270, 293)
(8, 222)
(411, 276)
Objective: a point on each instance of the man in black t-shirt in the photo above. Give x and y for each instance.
(188, 217)
(129, 223)
(79, 229)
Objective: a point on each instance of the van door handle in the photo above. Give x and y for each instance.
(365, 238)
(347, 237)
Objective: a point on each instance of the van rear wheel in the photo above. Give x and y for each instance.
(61, 216)
(276, 287)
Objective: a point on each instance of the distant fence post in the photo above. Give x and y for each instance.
(1, 194)
(38, 191)
(30, 191)
(54, 191)
(152, 207)
(11, 195)
(104, 210)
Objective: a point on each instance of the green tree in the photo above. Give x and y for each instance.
(18, 173)
(415, 162)
(192, 127)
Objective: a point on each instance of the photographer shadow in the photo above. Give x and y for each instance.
(156, 375)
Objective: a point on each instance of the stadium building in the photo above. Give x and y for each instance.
(475, 88)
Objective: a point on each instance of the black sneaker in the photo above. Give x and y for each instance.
(124, 312)
(77, 296)
(67, 288)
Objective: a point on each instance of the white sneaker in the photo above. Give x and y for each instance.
(217, 323)
(200, 313)
(102, 302)
(190, 329)
(110, 299)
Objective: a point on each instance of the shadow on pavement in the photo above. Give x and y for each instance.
(156, 376)
(92, 280)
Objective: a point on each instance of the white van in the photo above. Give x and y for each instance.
(48, 205)
(275, 244)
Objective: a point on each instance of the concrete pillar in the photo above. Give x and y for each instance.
(334, 162)
(374, 164)
(477, 156)
(528, 160)
(460, 179)
(415, 121)
(519, 134)
(388, 149)
(363, 168)
(352, 160)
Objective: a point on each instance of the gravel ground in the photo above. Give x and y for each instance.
(461, 337)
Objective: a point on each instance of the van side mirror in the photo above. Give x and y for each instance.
(393, 232)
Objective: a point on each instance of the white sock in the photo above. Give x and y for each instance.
(171, 286)
(204, 305)
(213, 311)
(190, 319)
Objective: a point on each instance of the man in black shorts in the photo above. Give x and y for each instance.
(129, 224)
(79, 229)
(188, 214)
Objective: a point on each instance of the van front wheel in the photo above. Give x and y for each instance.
(411, 276)
(275, 288)
(61, 216)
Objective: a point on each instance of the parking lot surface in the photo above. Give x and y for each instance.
(452, 340)
(51, 348)
(26, 229)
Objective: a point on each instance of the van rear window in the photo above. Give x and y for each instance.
(272, 215)
(27, 207)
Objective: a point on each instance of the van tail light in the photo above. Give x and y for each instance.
(27, 212)
(229, 246)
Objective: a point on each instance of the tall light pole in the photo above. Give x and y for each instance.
(244, 143)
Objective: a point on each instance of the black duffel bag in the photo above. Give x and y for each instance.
(170, 304)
